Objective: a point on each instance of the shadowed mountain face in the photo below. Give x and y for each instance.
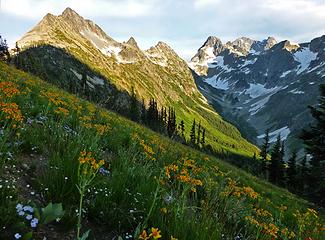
(260, 85)
(157, 72)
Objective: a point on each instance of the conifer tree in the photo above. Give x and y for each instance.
(314, 140)
(292, 171)
(134, 107)
(4, 50)
(264, 153)
(192, 134)
(198, 139)
(281, 171)
(143, 113)
(275, 161)
(203, 138)
(182, 129)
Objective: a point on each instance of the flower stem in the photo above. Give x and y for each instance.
(80, 212)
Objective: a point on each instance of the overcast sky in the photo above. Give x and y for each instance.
(183, 24)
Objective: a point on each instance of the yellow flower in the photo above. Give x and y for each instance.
(144, 235)
(164, 210)
(155, 233)
(173, 238)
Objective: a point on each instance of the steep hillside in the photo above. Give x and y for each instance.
(76, 54)
(261, 85)
(147, 181)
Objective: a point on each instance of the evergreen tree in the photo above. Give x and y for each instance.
(275, 161)
(4, 50)
(314, 140)
(303, 175)
(292, 171)
(143, 113)
(171, 124)
(281, 171)
(264, 153)
(198, 139)
(203, 138)
(134, 107)
(182, 129)
(192, 134)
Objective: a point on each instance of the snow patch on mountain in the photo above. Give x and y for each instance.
(78, 75)
(295, 91)
(285, 74)
(217, 83)
(257, 90)
(304, 56)
(219, 62)
(249, 62)
(284, 133)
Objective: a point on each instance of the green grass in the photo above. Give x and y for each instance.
(202, 198)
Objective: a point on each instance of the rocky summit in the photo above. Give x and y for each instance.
(261, 85)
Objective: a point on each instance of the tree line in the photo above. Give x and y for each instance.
(305, 175)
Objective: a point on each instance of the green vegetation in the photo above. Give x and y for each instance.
(147, 187)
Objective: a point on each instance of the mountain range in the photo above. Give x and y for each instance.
(68, 50)
(260, 85)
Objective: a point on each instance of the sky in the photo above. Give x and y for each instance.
(183, 24)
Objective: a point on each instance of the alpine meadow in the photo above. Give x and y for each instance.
(101, 139)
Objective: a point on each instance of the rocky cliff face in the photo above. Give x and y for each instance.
(263, 84)
(154, 73)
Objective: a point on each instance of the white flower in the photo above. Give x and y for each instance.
(29, 217)
(34, 222)
(17, 236)
(21, 213)
(19, 207)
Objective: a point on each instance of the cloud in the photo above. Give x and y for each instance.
(200, 4)
(94, 8)
(184, 24)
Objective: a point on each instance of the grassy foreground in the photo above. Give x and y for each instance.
(148, 188)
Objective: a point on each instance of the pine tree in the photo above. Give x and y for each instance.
(143, 113)
(281, 171)
(203, 138)
(303, 175)
(182, 129)
(264, 153)
(314, 140)
(134, 107)
(192, 134)
(275, 161)
(198, 139)
(292, 171)
(4, 50)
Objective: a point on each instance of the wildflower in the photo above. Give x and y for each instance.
(19, 207)
(173, 238)
(155, 233)
(29, 217)
(29, 209)
(21, 213)
(17, 236)
(144, 235)
(164, 210)
(34, 223)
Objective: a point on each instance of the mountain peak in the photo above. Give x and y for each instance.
(212, 41)
(132, 42)
(68, 12)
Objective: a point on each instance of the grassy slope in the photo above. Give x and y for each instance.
(207, 199)
(172, 86)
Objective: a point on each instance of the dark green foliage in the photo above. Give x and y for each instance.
(134, 107)
(264, 153)
(203, 138)
(292, 172)
(4, 52)
(275, 161)
(192, 134)
(314, 140)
